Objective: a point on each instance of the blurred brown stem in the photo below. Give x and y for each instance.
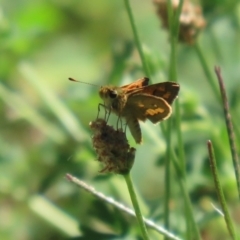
(229, 125)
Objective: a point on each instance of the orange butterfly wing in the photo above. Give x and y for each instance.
(138, 84)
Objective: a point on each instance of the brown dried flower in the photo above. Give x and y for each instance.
(112, 147)
(191, 19)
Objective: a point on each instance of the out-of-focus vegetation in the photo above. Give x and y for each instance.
(44, 117)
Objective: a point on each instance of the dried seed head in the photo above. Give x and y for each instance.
(191, 19)
(112, 147)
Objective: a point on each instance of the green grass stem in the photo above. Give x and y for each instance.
(219, 190)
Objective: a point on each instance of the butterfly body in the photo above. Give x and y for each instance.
(140, 101)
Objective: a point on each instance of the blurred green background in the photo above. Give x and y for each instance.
(45, 118)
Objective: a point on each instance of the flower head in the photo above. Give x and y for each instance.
(112, 147)
(191, 19)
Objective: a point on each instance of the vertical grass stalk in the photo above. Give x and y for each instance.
(229, 126)
(167, 176)
(220, 194)
(192, 229)
(136, 37)
(136, 206)
(173, 20)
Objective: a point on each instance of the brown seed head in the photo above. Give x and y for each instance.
(191, 19)
(112, 147)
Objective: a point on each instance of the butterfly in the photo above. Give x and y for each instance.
(139, 101)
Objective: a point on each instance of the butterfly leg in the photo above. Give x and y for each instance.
(119, 122)
(99, 105)
(107, 112)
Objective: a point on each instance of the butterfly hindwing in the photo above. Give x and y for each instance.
(145, 106)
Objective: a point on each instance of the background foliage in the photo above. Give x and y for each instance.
(44, 117)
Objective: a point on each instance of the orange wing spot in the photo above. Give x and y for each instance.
(154, 111)
(140, 105)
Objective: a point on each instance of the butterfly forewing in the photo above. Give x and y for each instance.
(138, 84)
(166, 90)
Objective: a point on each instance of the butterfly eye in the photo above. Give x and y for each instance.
(113, 94)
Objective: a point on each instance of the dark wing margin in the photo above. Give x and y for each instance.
(166, 90)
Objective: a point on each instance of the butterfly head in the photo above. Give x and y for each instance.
(113, 97)
(108, 95)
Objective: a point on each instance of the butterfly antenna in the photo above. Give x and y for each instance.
(74, 80)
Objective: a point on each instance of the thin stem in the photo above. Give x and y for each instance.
(109, 200)
(178, 111)
(179, 137)
(170, 13)
(176, 22)
(136, 37)
(207, 71)
(210, 80)
(192, 228)
(136, 206)
(229, 125)
(173, 77)
(167, 176)
(220, 194)
(173, 20)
